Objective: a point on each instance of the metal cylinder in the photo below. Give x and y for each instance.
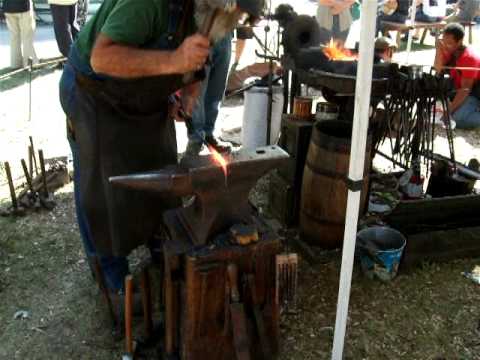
(326, 111)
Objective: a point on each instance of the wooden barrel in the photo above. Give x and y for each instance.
(324, 192)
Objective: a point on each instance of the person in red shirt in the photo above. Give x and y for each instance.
(464, 65)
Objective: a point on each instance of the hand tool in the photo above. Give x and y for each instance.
(204, 30)
(128, 314)
(46, 199)
(147, 303)
(239, 320)
(257, 313)
(32, 194)
(103, 288)
(16, 208)
(33, 156)
(189, 124)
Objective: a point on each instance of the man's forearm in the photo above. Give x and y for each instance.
(122, 61)
(458, 100)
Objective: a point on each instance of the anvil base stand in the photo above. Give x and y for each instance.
(220, 300)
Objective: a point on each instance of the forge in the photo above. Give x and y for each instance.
(335, 78)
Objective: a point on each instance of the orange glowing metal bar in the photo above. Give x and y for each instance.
(219, 159)
(336, 51)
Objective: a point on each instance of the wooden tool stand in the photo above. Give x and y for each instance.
(286, 182)
(220, 299)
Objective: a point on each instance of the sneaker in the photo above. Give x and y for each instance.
(193, 148)
(221, 147)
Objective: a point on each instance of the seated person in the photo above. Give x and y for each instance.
(395, 11)
(421, 16)
(463, 63)
(384, 49)
(464, 11)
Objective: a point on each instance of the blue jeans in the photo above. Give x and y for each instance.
(213, 87)
(114, 268)
(467, 116)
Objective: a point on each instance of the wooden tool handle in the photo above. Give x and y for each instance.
(128, 313)
(43, 172)
(147, 303)
(10, 185)
(232, 271)
(27, 175)
(253, 288)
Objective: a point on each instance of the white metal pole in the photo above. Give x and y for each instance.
(413, 12)
(357, 162)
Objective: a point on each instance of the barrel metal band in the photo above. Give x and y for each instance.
(353, 185)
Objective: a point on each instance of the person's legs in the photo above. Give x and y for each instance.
(467, 116)
(216, 83)
(422, 17)
(61, 26)
(196, 136)
(242, 34)
(82, 12)
(13, 25)
(27, 27)
(338, 35)
(114, 268)
(72, 21)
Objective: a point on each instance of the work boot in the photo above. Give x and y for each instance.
(221, 147)
(193, 148)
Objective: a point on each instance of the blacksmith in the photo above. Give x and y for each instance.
(463, 64)
(115, 87)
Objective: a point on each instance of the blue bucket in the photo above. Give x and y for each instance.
(380, 249)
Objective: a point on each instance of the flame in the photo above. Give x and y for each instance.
(335, 51)
(219, 159)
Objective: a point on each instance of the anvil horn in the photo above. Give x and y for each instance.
(175, 183)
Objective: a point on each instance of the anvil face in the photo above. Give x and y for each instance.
(221, 196)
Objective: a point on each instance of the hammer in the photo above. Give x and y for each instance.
(204, 30)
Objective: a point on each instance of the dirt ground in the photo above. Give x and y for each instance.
(431, 313)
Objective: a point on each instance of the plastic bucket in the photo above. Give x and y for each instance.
(380, 250)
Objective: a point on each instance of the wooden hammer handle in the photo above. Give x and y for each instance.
(128, 313)
(232, 271)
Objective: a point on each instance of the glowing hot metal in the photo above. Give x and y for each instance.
(220, 160)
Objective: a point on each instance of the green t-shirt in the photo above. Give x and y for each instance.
(132, 22)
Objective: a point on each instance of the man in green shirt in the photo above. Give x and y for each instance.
(125, 63)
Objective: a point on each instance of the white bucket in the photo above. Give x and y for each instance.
(254, 127)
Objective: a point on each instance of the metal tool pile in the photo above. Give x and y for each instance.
(39, 185)
(410, 110)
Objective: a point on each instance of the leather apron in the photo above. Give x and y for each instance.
(122, 127)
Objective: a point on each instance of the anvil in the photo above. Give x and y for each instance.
(220, 199)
